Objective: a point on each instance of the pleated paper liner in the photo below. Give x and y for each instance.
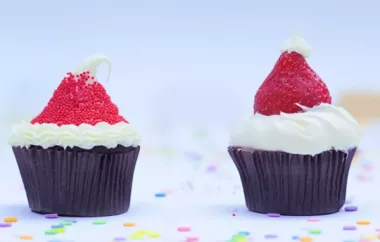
(78, 182)
(290, 184)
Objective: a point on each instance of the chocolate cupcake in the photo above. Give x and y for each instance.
(78, 156)
(294, 154)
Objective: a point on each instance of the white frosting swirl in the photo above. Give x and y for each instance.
(318, 129)
(84, 136)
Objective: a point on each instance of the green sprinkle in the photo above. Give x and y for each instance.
(98, 222)
(66, 223)
(239, 238)
(315, 231)
(50, 232)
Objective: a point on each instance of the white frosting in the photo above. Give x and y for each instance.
(84, 136)
(318, 129)
(297, 44)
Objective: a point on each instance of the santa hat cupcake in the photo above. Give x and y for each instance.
(294, 153)
(77, 157)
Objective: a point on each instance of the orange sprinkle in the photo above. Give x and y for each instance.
(10, 219)
(306, 239)
(26, 237)
(129, 224)
(363, 222)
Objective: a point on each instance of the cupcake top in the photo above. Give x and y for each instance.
(293, 111)
(80, 113)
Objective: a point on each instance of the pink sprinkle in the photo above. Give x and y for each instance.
(192, 239)
(313, 219)
(184, 229)
(377, 230)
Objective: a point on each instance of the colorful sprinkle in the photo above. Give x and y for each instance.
(245, 233)
(313, 219)
(26, 237)
(349, 228)
(99, 222)
(306, 239)
(66, 223)
(51, 216)
(57, 226)
(270, 236)
(192, 239)
(5, 225)
(184, 229)
(363, 222)
(154, 234)
(50, 232)
(161, 194)
(274, 215)
(315, 231)
(351, 208)
(59, 230)
(10, 219)
(295, 237)
(136, 236)
(117, 239)
(129, 224)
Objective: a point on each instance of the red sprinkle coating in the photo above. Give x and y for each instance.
(79, 100)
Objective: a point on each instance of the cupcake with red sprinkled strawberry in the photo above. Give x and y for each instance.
(294, 154)
(78, 156)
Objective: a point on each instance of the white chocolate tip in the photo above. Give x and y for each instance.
(92, 63)
(297, 44)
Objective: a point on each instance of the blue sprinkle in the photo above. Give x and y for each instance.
(295, 237)
(162, 194)
(57, 226)
(73, 221)
(246, 233)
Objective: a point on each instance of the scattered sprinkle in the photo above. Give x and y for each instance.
(351, 208)
(184, 229)
(51, 216)
(313, 219)
(117, 239)
(136, 236)
(129, 224)
(10, 219)
(245, 233)
(349, 227)
(295, 237)
(270, 236)
(5, 225)
(274, 215)
(363, 222)
(57, 226)
(26, 237)
(315, 231)
(154, 234)
(306, 239)
(99, 222)
(192, 239)
(66, 223)
(160, 194)
(50, 232)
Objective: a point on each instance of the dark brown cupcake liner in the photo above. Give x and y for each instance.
(290, 184)
(77, 182)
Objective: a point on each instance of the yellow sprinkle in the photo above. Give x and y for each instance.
(154, 234)
(26, 237)
(136, 236)
(59, 230)
(142, 232)
(370, 238)
(363, 222)
(129, 224)
(306, 239)
(10, 219)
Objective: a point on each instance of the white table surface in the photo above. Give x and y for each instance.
(205, 201)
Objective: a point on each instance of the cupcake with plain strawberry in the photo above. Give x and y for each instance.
(294, 154)
(78, 156)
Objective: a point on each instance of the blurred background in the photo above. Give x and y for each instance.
(184, 71)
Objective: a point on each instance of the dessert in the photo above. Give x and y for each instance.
(78, 156)
(294, 154)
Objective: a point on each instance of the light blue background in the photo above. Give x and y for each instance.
(180, 61)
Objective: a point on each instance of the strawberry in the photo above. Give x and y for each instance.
(291, 82)
(79, 99)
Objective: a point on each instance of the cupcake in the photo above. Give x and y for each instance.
(78, 156)
(294, 154)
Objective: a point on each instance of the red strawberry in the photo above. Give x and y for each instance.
(79, 100)
(291, 82)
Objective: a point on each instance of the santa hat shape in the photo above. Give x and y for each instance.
(291, 83)
(81, 99)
